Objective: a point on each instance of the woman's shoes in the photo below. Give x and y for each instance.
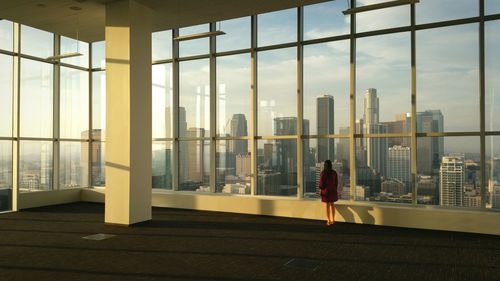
(328, 223)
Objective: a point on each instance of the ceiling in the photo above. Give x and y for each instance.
(65, 17)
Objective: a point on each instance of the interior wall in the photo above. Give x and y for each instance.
(422, 217)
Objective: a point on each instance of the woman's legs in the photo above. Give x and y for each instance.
(328, 221)
(332, 206)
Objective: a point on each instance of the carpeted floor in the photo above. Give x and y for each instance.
(46, 244)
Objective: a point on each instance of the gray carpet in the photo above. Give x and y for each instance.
(46, 244)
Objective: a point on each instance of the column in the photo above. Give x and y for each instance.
(128, 113)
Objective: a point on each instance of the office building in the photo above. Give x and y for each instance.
(451, 180)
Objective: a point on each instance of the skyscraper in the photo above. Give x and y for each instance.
(195, 155)
(325, 119)
(398, 165)
(452, 177)
(430, 150)
(376, 148)
(238, 129)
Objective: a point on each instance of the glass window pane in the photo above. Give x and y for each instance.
(162, 45)
(382, 18)
(69, 45)
(36, 99)
(493, 172)
(194, 99)
(383, 170)
(99, 55)
(277, 27)
(99, 105)
(74, 103)
(162, 164)
(98, 163)
(383, 83)
(233, 164)
(6, 35)
(492, 75)
(6, 87)
(277, 88)
(448, 171)
(491, 7)
(73, 164)
(162, 101)
(237, 34)
(5, 176)
(194, 166)
(442, 10)
(316, 151)
(35, 166)
(448, 77)
(195, 46)
(326, 87)
(277, 167)
(35, 42)
(325, 20)
(233, 95)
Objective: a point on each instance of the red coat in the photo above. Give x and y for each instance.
(328, 185)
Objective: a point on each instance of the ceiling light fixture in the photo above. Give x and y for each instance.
(383, 5)
(72, 54)
(199, 35)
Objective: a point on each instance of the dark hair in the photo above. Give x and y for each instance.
(327, 167)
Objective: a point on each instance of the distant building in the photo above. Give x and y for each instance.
(451, 178)
(326, 126)
(398, 165)
(393, 186)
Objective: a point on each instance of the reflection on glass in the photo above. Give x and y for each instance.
(6, 35)
(233, 167)
(237, 35)
(492, 75)
(431, 10)
(448, 75)
(5, 175)
(69, 45)
(277, 92)
(35, 42)
(233, 95)
(194, 99)
(491, 7)
(194, 166)
(99, 54)
(162, 101)
(326, 87)
(383, 170)
(448, 171)
(6, 86)
(277, 27)
(316, 151)
(35, 166)
(162, 165)
(195, 46)
(36, 99)
(383, 81)
(73, 164)
(98, 154)
(99, 105)
(162, 45)
(325, 20)
(277, 167)
(493, 172)
(74, 103)
(382, 18)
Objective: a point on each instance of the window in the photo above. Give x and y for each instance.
(277, 27)
(162, 45)
(237, 34)
(35, 42)
(325, 20)
(277, 167)
(36, 93)
(448, 75)
(74, 104)
(69, 45)
(382, 18)
(277, 90)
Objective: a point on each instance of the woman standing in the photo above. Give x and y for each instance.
(328, 184)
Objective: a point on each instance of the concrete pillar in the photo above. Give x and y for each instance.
(128, 113)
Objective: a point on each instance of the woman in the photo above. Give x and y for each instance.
(328, 184)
